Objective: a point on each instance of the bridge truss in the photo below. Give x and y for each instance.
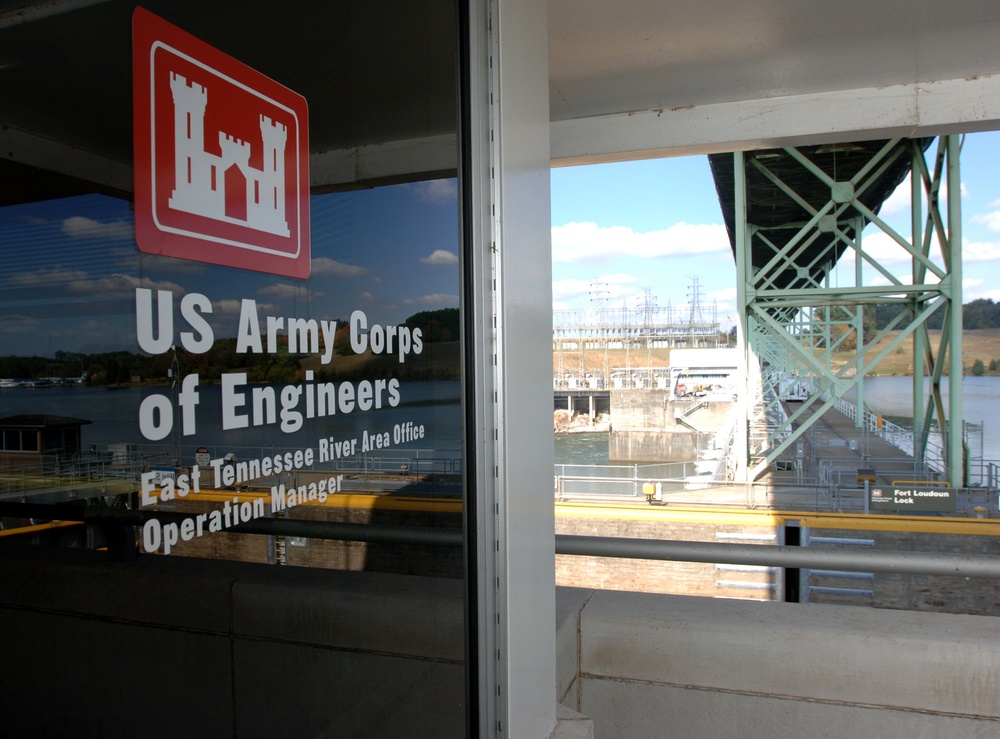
(797, 219)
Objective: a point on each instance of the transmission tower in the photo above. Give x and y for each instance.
(694, 300)
(600, 294)
(648, 321)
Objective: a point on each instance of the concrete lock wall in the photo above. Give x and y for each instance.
(637, 447)
(675, 666)
(678, 578)
(645, 427)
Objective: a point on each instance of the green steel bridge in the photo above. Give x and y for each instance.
(793, 215)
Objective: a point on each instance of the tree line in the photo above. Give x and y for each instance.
(123, 367)
(976, 314)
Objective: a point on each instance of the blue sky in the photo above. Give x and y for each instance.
(72, 268)
(620, 229)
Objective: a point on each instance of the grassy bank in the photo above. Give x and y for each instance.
(983, 344)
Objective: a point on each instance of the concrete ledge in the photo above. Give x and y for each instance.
(663, 655)
(571, 725)
(570, 602)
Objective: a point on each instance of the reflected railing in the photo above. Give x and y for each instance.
(118, 470)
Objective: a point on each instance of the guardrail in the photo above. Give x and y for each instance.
(839, 492)
(892, 433)
(49, 472)
(915, 563)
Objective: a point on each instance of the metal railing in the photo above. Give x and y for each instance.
(910, 563)
(55, 473)
(760, 555)
(837, 492)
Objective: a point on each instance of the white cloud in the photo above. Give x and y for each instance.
(991, 220)
(885, 250)
(440, 257)
(881, 281)
(229, 307)
(611, 287)
(118, 284)
(13, 323)
(439, 192)
(157, 263)
(980, 251)
(725, 302)
(80, 227)
(564, 290)
(881, 247)
(898, 200)
(438, 299)
(326, 267)
(588, 242)
(47, 276)
(727, 294)
(286, 291)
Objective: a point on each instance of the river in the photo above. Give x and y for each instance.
(114, 414)
(892, 397)
(435, 405)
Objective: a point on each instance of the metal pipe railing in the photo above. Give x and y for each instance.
(911, 563)
(860, 560)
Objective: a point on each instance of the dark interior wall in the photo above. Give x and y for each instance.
(171, 646)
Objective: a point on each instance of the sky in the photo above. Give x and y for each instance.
(72, 268)
(626, 230)
(622, 234)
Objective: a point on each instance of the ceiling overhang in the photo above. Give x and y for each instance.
(628, 80)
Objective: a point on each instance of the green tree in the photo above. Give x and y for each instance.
(437, 325)
(978, 368)
(342, 341)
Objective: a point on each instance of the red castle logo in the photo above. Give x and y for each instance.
(221, 156)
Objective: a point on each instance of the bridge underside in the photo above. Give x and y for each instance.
(808, 285)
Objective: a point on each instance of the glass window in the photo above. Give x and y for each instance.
(239, 413)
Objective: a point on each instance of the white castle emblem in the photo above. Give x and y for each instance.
(226, 188)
